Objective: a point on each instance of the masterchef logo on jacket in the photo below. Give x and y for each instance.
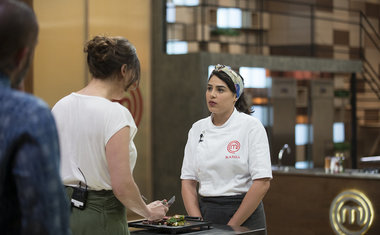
(232, 148)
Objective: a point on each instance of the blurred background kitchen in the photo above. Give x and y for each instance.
(311, 69)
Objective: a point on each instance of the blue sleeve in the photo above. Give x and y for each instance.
(43, 202)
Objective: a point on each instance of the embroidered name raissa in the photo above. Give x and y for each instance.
(233, 157)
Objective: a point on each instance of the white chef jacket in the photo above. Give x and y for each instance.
(225, 159)
(85, 124)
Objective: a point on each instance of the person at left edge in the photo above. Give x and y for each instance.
(32, 196)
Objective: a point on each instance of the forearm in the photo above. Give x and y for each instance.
(190, 197)
(123, 184)
(129, 195)
(250, 202)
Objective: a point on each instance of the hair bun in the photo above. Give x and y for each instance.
(100, 47)
(107, 55)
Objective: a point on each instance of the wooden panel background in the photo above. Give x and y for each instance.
(300, 204)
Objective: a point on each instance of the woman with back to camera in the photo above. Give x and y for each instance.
(96, 138)
(227, 153)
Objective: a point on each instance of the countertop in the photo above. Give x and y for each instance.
(348, 173)
(215, 229)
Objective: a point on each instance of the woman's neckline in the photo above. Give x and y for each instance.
(225, 123)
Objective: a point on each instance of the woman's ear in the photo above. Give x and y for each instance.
(123, 70)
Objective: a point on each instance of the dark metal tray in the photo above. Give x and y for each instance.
(190, 225)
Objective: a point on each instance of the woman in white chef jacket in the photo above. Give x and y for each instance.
(227, 154)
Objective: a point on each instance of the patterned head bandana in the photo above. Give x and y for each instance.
(236, 79)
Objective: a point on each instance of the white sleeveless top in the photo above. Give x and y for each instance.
(85, 125)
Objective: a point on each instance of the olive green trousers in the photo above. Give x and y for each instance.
(103, 215)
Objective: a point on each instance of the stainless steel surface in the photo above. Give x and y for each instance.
(280, 154)
(370, 159)
(283, 118)
(348, 173)
(322, 120)
(168, 203)
(171, 201)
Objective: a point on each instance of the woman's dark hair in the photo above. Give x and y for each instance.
(106, 56)
(241, 104)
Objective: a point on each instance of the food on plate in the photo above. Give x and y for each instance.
(176, 220)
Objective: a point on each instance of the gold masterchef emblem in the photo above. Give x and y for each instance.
(351, 213)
